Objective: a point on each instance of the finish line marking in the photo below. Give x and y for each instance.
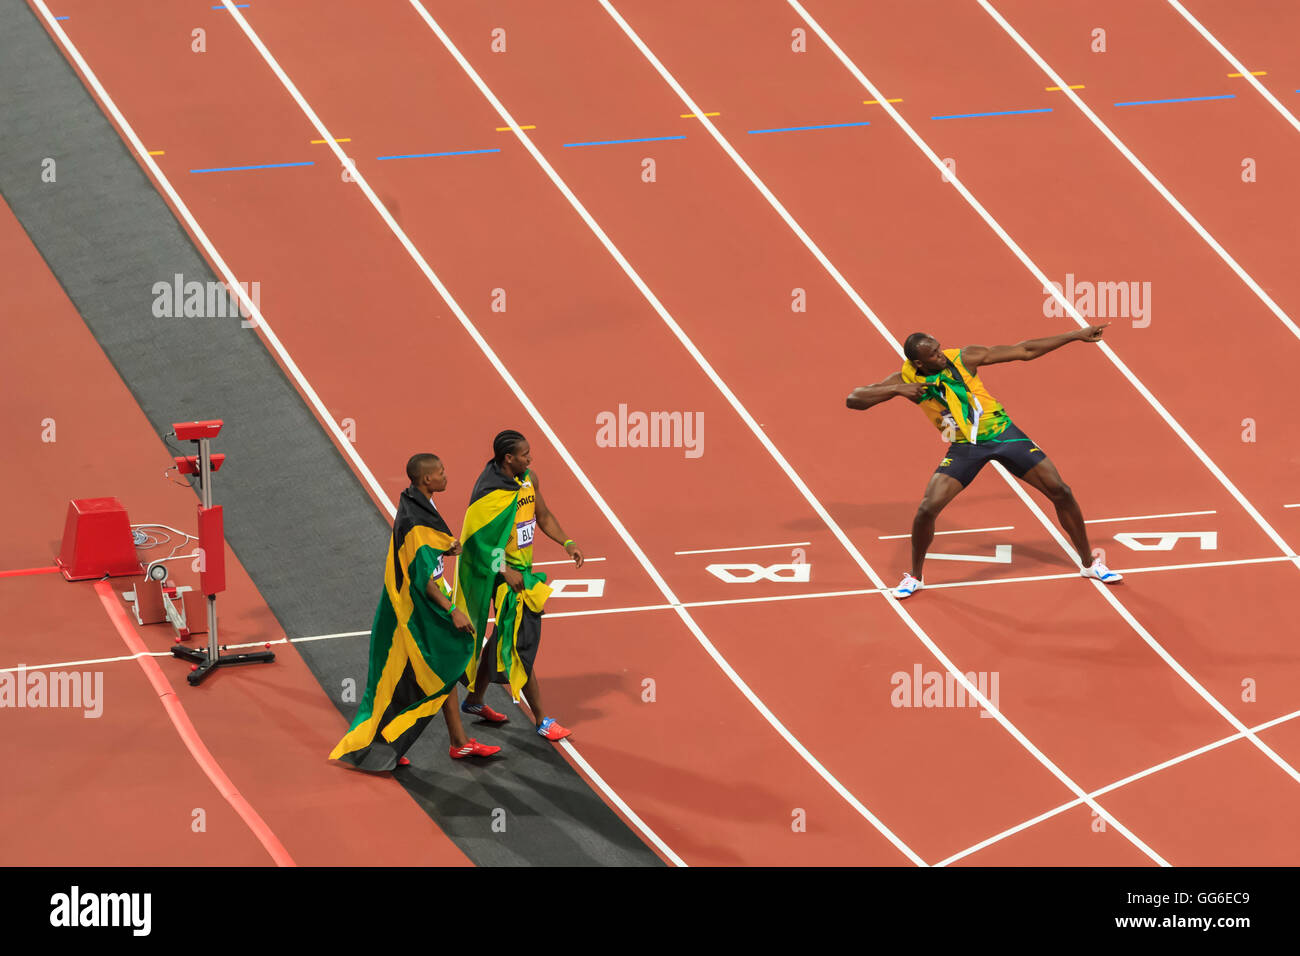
(771, 598)
(752, 547)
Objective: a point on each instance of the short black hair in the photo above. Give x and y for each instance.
(910, 345)
(419, 464)
(505, 444)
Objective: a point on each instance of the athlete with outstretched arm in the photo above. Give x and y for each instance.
(945, 383)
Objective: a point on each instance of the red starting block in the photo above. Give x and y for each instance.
(97, 541)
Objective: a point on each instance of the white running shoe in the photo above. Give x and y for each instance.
(908, 587)
(1102, 573)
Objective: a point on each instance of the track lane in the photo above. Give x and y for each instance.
(1064, 232)
(708, 691)
(1258, 31)
(1196, 150)
(125, 770)
(760, 415)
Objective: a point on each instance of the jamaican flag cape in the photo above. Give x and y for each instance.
(957, 403)
(498, 531)
(416, 654)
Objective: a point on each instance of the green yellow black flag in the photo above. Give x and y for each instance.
(416, 653)
(498, 531)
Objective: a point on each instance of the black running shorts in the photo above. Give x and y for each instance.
(1013, 448)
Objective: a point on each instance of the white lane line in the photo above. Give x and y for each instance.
(731, 673)
(895, 537)
(1172, 514)
(743, 412)
(1291, 506)
(811, 246)
(1237, 65)
(218, 263)
(752, 547)
(1137, 164)
(766, 599)
(542, 564)
(73, 665)
(852, 293)
(559, 447)
(1110, 788)
(195, 230)
(360, 180)
(1038, 273)
(1029, 264)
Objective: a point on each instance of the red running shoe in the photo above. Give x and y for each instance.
(549, 729)
(473, 749)
(403, 762)
(483, 712)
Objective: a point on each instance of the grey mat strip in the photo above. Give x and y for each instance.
(108, 236)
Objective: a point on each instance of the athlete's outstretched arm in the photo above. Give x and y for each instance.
(973, 356)
(865, 396)
(550, 525)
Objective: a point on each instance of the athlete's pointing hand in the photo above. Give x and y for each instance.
(1092, 333)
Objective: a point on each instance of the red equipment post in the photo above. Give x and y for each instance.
(212, 551)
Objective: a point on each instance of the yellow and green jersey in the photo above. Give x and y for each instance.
(497, 533)
(957, 403)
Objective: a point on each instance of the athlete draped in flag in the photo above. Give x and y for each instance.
(947, 386)
(496, 567)
(420, 644)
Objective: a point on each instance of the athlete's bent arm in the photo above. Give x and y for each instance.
(551, 527)
(865, 396)
(973, 356)
(458, 617)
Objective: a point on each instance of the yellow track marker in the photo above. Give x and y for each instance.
(692, 115)
(1252, 73)
(877, 102)
(322, 142)
(157, 152)
(506, 129)
(1075, 86)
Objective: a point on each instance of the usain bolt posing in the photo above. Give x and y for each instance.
(945, 383)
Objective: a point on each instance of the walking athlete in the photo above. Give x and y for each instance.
(420, 644)
(496, 568)
(947, 386)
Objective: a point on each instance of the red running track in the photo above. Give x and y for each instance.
(119, 787)
(1094, 697)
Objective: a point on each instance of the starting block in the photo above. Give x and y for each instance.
(156, 601)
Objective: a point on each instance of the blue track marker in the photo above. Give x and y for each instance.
(459, 152)
(1184, 99)
(999, 113)
(620, 142)
(239, 169)
(800, 129)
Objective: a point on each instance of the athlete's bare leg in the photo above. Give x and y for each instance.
(451, 714)
(938, 493)
(487, 665)
(1047, 479)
